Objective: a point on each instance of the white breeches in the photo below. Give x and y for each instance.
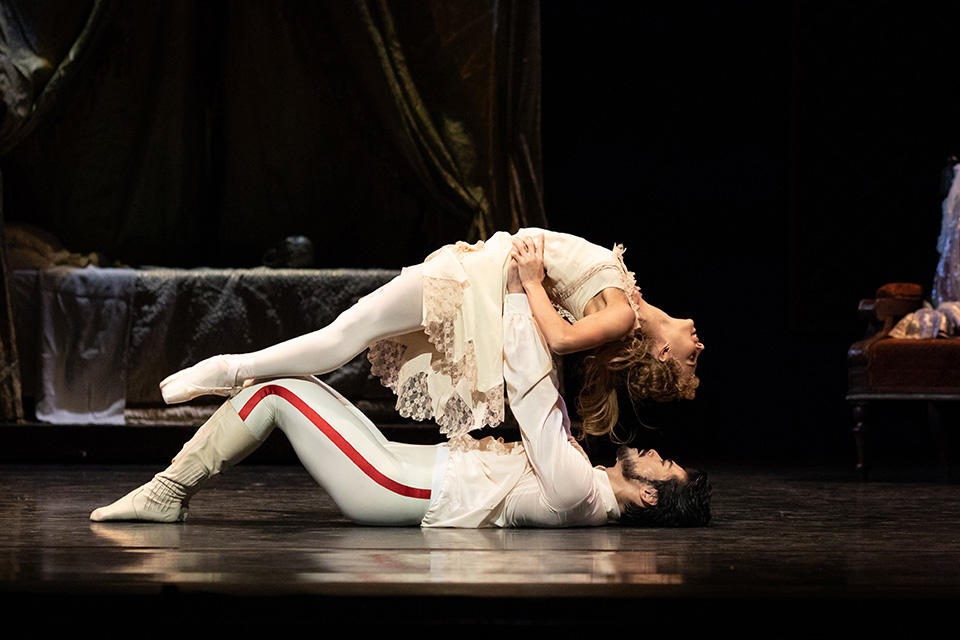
(372, 480)
(393, 309)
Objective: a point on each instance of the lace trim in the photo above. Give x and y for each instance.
(496, 445)
(562, 293)
(457, 418)
(627, 280)
(386, 358)
(442, 301)
(413, 398)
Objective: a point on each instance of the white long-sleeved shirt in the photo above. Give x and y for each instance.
(543, 481)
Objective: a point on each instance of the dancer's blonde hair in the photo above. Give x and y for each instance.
(630, 363)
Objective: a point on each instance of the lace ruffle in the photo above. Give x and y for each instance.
(443, 300)
(457, 418)
(496, 445)
(413, 398)
(386, 358)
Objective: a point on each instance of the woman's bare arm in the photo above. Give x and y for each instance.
(611, 323)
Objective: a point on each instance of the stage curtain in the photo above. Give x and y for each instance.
(459, 86)
(420, 119)
(11, 401)
(204, 132)
(41, 52)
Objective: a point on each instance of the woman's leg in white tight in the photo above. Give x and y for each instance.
(393, 309)
(372, 480)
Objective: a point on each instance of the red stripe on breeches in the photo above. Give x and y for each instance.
(335, 437)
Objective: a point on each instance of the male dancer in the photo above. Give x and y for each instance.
(545, 481)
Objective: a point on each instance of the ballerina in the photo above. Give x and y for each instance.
(434, 334)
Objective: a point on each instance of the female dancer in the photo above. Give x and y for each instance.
(435, 338)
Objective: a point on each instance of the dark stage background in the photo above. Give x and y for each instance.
(766, 164)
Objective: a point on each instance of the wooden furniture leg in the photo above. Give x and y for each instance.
(859, 435)
(940, 439)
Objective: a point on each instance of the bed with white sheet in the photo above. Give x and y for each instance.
(94, 343)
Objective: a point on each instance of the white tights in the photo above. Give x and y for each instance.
(372, 480)
(393, 309)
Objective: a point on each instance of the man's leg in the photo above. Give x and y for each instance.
(219, 443)
(372, 480)
(393, 309)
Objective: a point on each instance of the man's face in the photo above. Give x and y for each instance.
(648, 465)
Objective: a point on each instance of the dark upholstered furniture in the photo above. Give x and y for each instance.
(882, 368)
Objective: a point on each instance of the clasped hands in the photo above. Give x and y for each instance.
(526, 263)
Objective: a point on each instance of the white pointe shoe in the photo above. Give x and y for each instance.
(220, 443)
(216, 376)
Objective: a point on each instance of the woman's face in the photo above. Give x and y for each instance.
(680, 341)
(675, 338)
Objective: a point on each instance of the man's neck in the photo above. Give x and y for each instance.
(618, 483)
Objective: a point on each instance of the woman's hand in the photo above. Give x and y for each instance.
(611, 323)
(528, 254)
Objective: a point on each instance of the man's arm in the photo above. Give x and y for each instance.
(565, 477)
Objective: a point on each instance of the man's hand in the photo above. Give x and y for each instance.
(528, 254)
(576, 445)
(514, 285)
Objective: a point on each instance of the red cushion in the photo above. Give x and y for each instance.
(900, 290)
(914, 366)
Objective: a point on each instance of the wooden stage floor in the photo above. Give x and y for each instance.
(263, 544)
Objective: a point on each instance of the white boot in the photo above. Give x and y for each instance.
(221, 442)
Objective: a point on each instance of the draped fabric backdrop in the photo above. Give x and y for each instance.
(185, 133)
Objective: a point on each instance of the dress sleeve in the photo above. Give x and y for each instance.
(565, 478)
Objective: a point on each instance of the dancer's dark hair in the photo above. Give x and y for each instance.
(679, 504)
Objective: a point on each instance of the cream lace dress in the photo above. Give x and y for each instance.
(451, 370)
